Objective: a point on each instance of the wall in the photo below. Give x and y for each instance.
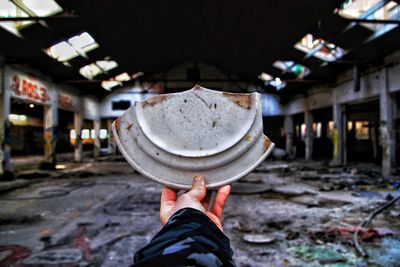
(131, 94)
(371, 83)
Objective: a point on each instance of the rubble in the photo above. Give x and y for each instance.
(281, 215)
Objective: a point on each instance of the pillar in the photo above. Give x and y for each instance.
(96, 127)
(78, 142)
(288, 124)
(110, 136)
(386, 130)
(337, 135)
(50, 133)
(5, 135)
(309, 138)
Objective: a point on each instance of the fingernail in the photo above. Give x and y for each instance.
(198, 180)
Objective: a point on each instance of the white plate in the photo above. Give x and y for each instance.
(171, 138)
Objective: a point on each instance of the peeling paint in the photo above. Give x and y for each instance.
(154, 100)
(242, 100)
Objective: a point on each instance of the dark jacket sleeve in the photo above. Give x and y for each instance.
(189, 238)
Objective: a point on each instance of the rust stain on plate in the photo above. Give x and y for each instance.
(117, 124)
(267, 142)
(154, 100)
(129, 126)
(242, 100)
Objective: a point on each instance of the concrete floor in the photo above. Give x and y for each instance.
(100, 213)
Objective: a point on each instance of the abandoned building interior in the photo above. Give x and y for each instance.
(328, 77)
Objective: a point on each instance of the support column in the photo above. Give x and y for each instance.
(50, 134)
(288, 124)
(5, 136)
(110, 136)
(386, 129)
(78, 142)
(309, 138)
(96, 127)
(337, 135)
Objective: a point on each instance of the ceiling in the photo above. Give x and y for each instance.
(243, 37)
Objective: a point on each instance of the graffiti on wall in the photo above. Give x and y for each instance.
(28, 88)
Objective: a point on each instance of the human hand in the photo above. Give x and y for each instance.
(197, 198)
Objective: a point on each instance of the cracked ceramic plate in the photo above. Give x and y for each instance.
(171, 138)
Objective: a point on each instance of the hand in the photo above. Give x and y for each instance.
(197, 198)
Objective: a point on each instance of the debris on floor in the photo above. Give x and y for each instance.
(283, 214)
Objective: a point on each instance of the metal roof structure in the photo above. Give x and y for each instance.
(241, 37)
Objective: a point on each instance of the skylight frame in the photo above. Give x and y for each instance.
(290, 66)
(109, 84)
(98, 67)
(23, 9)
(315, 47)
(375, 11)
(72, 44)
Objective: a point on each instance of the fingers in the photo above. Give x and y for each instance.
(206, 201)
(220, 200)
(168, 196)
(198, 191)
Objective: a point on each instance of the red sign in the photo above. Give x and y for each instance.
(29, 89)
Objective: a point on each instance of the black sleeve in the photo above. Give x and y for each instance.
(189, 238)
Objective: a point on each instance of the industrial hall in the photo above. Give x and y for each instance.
(241, 133)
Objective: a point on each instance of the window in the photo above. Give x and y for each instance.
(85, 134)
(24, 9)
(121, 105)
(362, 130)
(73, 47)
(374, 10)
(319, 48)
(317, 128)
(290, 66)
(94, 69)
(93, 133)
(103, 134)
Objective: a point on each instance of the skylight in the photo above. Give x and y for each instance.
(269, 80)
(265, 77)
(319, 48)
(109, 84)
(94, 69)
(123, 77)
(24, 9)
(73, 47)
(278, 83)
(374, 10)
(290, 66)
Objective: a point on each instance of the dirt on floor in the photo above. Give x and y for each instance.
(282, 214)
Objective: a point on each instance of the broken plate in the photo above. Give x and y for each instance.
(171, 138)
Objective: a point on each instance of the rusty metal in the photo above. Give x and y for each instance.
(171, 138)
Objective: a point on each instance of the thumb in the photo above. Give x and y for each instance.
(198, 191)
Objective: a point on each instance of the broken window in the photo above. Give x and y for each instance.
(123, 77)
(24, 9)
(290, 66)
(73, 47)
(319, 48)
(121, 105)
(94, 69)
(108, 85)
(373, 10)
